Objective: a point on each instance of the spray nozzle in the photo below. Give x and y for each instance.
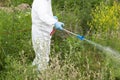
(80, 37)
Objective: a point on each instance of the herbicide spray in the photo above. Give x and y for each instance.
(107, 50)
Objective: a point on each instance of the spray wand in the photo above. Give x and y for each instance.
(77, 35)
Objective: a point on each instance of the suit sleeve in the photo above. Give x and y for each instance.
(41, 8)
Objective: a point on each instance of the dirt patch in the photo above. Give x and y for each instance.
(1, 4)
(21, 7)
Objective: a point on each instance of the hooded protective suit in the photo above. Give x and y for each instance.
(42, 25)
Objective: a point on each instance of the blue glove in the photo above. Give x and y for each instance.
(55, 17)
(59, 25)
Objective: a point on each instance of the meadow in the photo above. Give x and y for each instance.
(70, 58)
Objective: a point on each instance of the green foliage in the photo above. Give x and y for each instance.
(75, 13)
(105, 18)
(13, 35)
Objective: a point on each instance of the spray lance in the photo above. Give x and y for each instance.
(78, 36)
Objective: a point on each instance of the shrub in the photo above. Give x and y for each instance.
(105, 18)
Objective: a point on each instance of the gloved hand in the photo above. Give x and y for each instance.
(55, 17)
(59, 25)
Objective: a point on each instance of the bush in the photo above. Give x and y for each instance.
(105, 19)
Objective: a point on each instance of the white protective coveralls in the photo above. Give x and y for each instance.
(42, 25)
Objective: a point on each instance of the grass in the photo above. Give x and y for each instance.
(70, 58)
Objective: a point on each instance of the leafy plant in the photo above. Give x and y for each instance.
(105, 18)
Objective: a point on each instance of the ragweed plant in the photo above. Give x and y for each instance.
(105, 18)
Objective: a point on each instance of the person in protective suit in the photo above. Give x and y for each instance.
(43, 22)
